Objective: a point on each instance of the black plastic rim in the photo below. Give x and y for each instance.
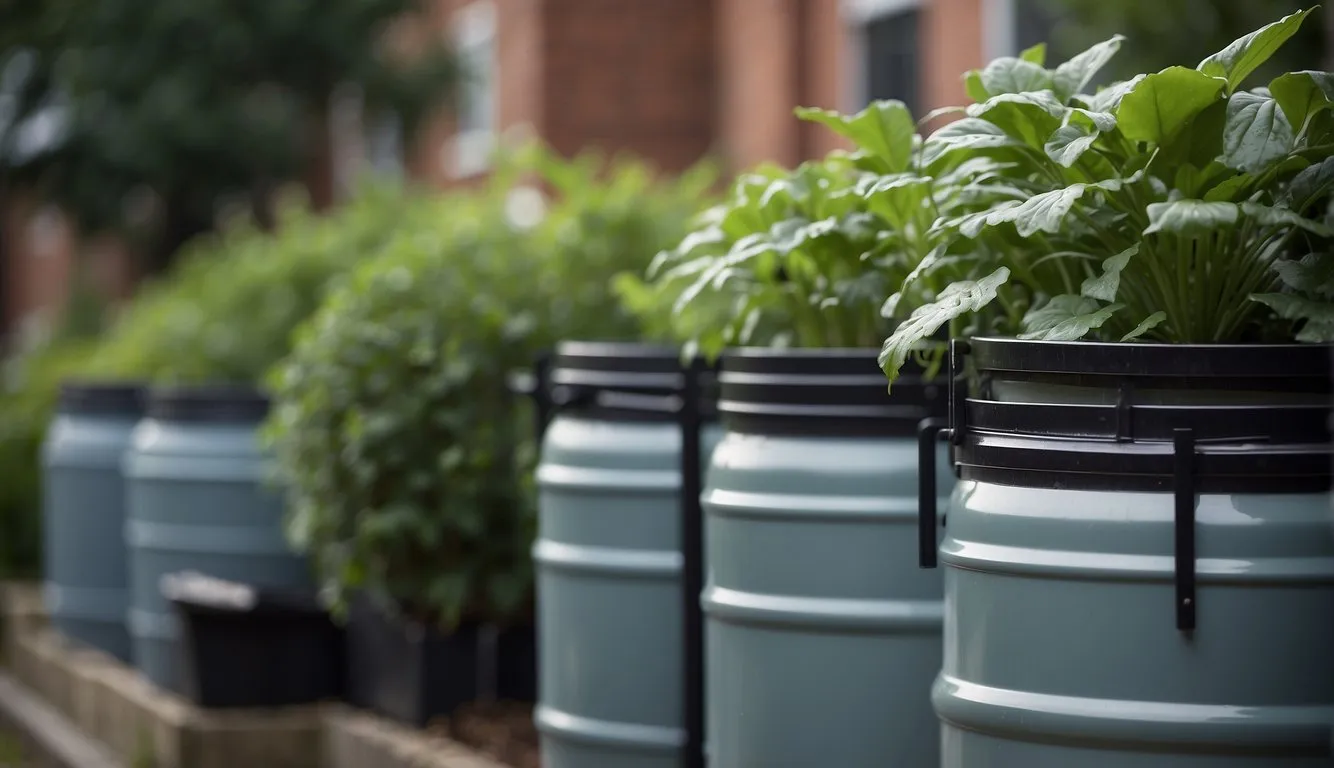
(220, 403)
(101, 398)
(623, 381)
(821, 392)
(1281, 445)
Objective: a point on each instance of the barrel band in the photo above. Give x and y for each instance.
(592, 480)
(85, 603)
(721, 502)
(823, 613)
(554, 723)
(208, 539)
(1170, 726)
(1115, 566)
(578, 558)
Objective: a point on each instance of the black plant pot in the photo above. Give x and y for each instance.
(246, 646)
(516, 664)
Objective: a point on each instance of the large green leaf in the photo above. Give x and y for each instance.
(1105, 286)
(1010, 75)
(1029, 117)
(1245, 54)
(1190, 218)
(1318, 315)
(1070, 142)
(1109, 98)
(1161, 105)
(1275, 216)
(1310, 184)
(967, 133)
(897, 198)
(1071, 77)
(884, 128)
(1040, 213)
(1302, 94)
(956, 300)
(1066, 318)
(1257, 133)
(1145, 325)
(1314, 273)
(1036, 54)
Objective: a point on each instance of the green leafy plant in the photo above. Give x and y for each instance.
(227, 311)
(805, 257)
(1175, 206)
(393, 431)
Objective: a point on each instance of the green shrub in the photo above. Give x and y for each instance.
(406, 462)
(400, 447)
(227, 311)
(31, 382)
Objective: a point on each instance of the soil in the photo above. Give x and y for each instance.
(502, 730)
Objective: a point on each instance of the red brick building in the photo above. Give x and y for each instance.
(671, 80)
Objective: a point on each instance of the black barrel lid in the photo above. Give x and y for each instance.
(226, 403)
(1263, 428)
(101, 398)
(822, 392)
(623, 380)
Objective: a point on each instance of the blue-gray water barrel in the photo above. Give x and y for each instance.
(1081, 630)
(823, 634)
(198, 499)
(608, 560)
(83, 512)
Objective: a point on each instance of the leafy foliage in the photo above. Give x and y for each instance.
(806, 256)
(1175, 206)
(395, 433)
(227, 311)
(149, 115)
(406, 462)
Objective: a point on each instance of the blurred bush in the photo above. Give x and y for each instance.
(406, 461)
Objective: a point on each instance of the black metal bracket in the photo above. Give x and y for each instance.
(928, 433)
(692, 564)
(1183, 445)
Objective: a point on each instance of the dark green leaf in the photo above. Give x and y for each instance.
(1318, 315)
(1302, 94)
(1029, 117)
(1146, 325)
(1070, 142)
(1273, 216)
(1309, 185)
(1257, 133)
(1314, 273)
(1161, 105)
(1245, 54)
(1066, 318)
(1190, 218)
(1105, 286)
(1071, 77)
(957, 299)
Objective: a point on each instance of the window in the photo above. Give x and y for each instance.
(884, 44)
(475, 42)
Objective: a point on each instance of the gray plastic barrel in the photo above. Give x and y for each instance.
(823, 635)
(198, 500)
(609, 559)
(83, 512)
(1134, 578)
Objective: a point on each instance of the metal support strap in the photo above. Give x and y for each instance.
(1183, 444)
(692, 565)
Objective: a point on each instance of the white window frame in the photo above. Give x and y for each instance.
(857, 14)
(468, 152)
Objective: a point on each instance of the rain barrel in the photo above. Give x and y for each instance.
(198, 500)
(83, 512)
(1139, 567)
(823, 636)
(609, 560)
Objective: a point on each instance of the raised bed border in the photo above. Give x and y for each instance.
(132, 724)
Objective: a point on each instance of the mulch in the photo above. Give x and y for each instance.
(501, 730)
